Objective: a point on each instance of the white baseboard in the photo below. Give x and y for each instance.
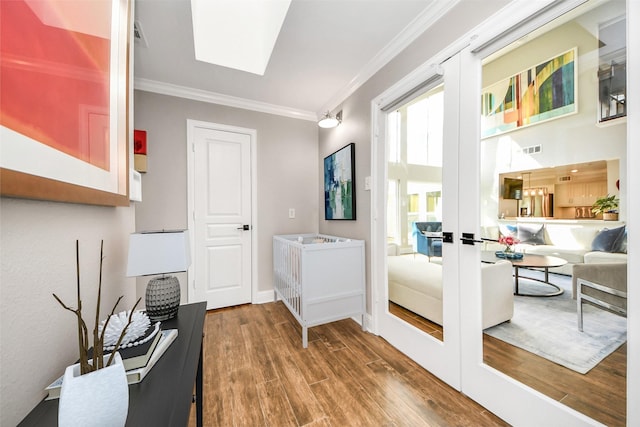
(262, 297)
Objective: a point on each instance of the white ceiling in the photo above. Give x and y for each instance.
(325, 50)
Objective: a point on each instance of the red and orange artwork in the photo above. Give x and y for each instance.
(55, 74)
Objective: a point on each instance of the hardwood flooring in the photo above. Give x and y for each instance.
(599, 394)
(256, 373)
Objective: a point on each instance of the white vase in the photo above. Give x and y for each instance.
(99, 398)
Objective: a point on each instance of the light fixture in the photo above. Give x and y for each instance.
(159, 252)
(328, 121)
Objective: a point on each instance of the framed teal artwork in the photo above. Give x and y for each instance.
(339, 184)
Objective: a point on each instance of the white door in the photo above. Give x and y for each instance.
(482, 159)
(425, 174)
(220, 200)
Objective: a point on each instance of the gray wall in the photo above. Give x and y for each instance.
(287, 171)
(356, 121)
(37, 259)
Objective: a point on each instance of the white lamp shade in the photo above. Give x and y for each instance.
(158, 252)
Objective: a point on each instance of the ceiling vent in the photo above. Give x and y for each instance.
(534, 149)
(138, 34)
(564, 178)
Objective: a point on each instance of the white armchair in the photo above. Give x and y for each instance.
(497, 293)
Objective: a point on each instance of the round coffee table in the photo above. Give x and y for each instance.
(530, 261)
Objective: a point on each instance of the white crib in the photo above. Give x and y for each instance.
(319, 278)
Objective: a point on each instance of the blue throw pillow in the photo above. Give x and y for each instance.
(608, 240)
(532, 234)
(507, 230)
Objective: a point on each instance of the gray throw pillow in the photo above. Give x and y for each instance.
(608, 240)
(532, 234)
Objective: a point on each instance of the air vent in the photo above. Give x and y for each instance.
(564, 178)
(138, 34)
(534, 149)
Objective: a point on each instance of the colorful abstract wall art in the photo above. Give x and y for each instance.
(339, 178)
(543, 92)
(64, 132)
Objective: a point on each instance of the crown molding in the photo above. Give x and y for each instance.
(429, 16)
(221, 99)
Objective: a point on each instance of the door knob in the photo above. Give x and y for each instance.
(245, 227)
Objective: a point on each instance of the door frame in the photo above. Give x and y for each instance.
(253, 135)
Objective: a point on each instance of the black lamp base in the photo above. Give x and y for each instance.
(162, 298)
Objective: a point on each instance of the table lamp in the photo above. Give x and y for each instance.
(154, 253)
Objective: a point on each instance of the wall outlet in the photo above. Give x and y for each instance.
(292, 213)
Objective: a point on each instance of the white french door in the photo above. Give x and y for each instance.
(440, 355)
(458, 358)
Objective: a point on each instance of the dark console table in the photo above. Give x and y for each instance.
(165, 396)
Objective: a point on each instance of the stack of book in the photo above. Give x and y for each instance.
(137, 361)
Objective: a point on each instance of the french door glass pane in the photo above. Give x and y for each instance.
(554, 126)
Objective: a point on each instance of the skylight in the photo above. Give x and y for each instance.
(237, 34)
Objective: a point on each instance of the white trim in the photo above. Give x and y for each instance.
(221, 99)
(429, 16)
(191, 125)
(633, 184)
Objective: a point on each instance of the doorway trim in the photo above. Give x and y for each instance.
(191, 126)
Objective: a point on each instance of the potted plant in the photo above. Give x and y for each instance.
(95, 390)
(607, 206)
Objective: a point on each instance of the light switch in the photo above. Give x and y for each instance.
(367, 183)
(292, 213)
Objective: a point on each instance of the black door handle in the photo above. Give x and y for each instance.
(245, 227)
(469, 239)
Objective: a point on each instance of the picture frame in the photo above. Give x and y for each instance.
(543, 92)
(64, 127)
(339, 184)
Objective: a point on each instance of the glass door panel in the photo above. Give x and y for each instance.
(541, 124)
(417, 153)
(414, 211)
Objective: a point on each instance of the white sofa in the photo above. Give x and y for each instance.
(416, 285)
(566, 239)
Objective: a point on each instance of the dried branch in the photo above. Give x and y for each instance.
(124, 330)
(97, 343)
(83, 332)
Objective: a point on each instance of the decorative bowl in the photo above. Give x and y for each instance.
(509, 255)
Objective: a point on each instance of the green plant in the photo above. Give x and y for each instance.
(608, 203)
(83, 333)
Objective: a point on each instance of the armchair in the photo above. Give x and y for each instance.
(601, 285)
(427, 238)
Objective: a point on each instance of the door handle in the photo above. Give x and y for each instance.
(245, 227)
(469, 239)
(447, 237)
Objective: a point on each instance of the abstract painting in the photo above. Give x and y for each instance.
(543, 92)
(64, 116)
(339, 181)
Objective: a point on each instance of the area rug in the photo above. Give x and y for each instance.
(547, 326)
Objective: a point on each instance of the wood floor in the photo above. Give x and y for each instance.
(600, 394)
(256, 373)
